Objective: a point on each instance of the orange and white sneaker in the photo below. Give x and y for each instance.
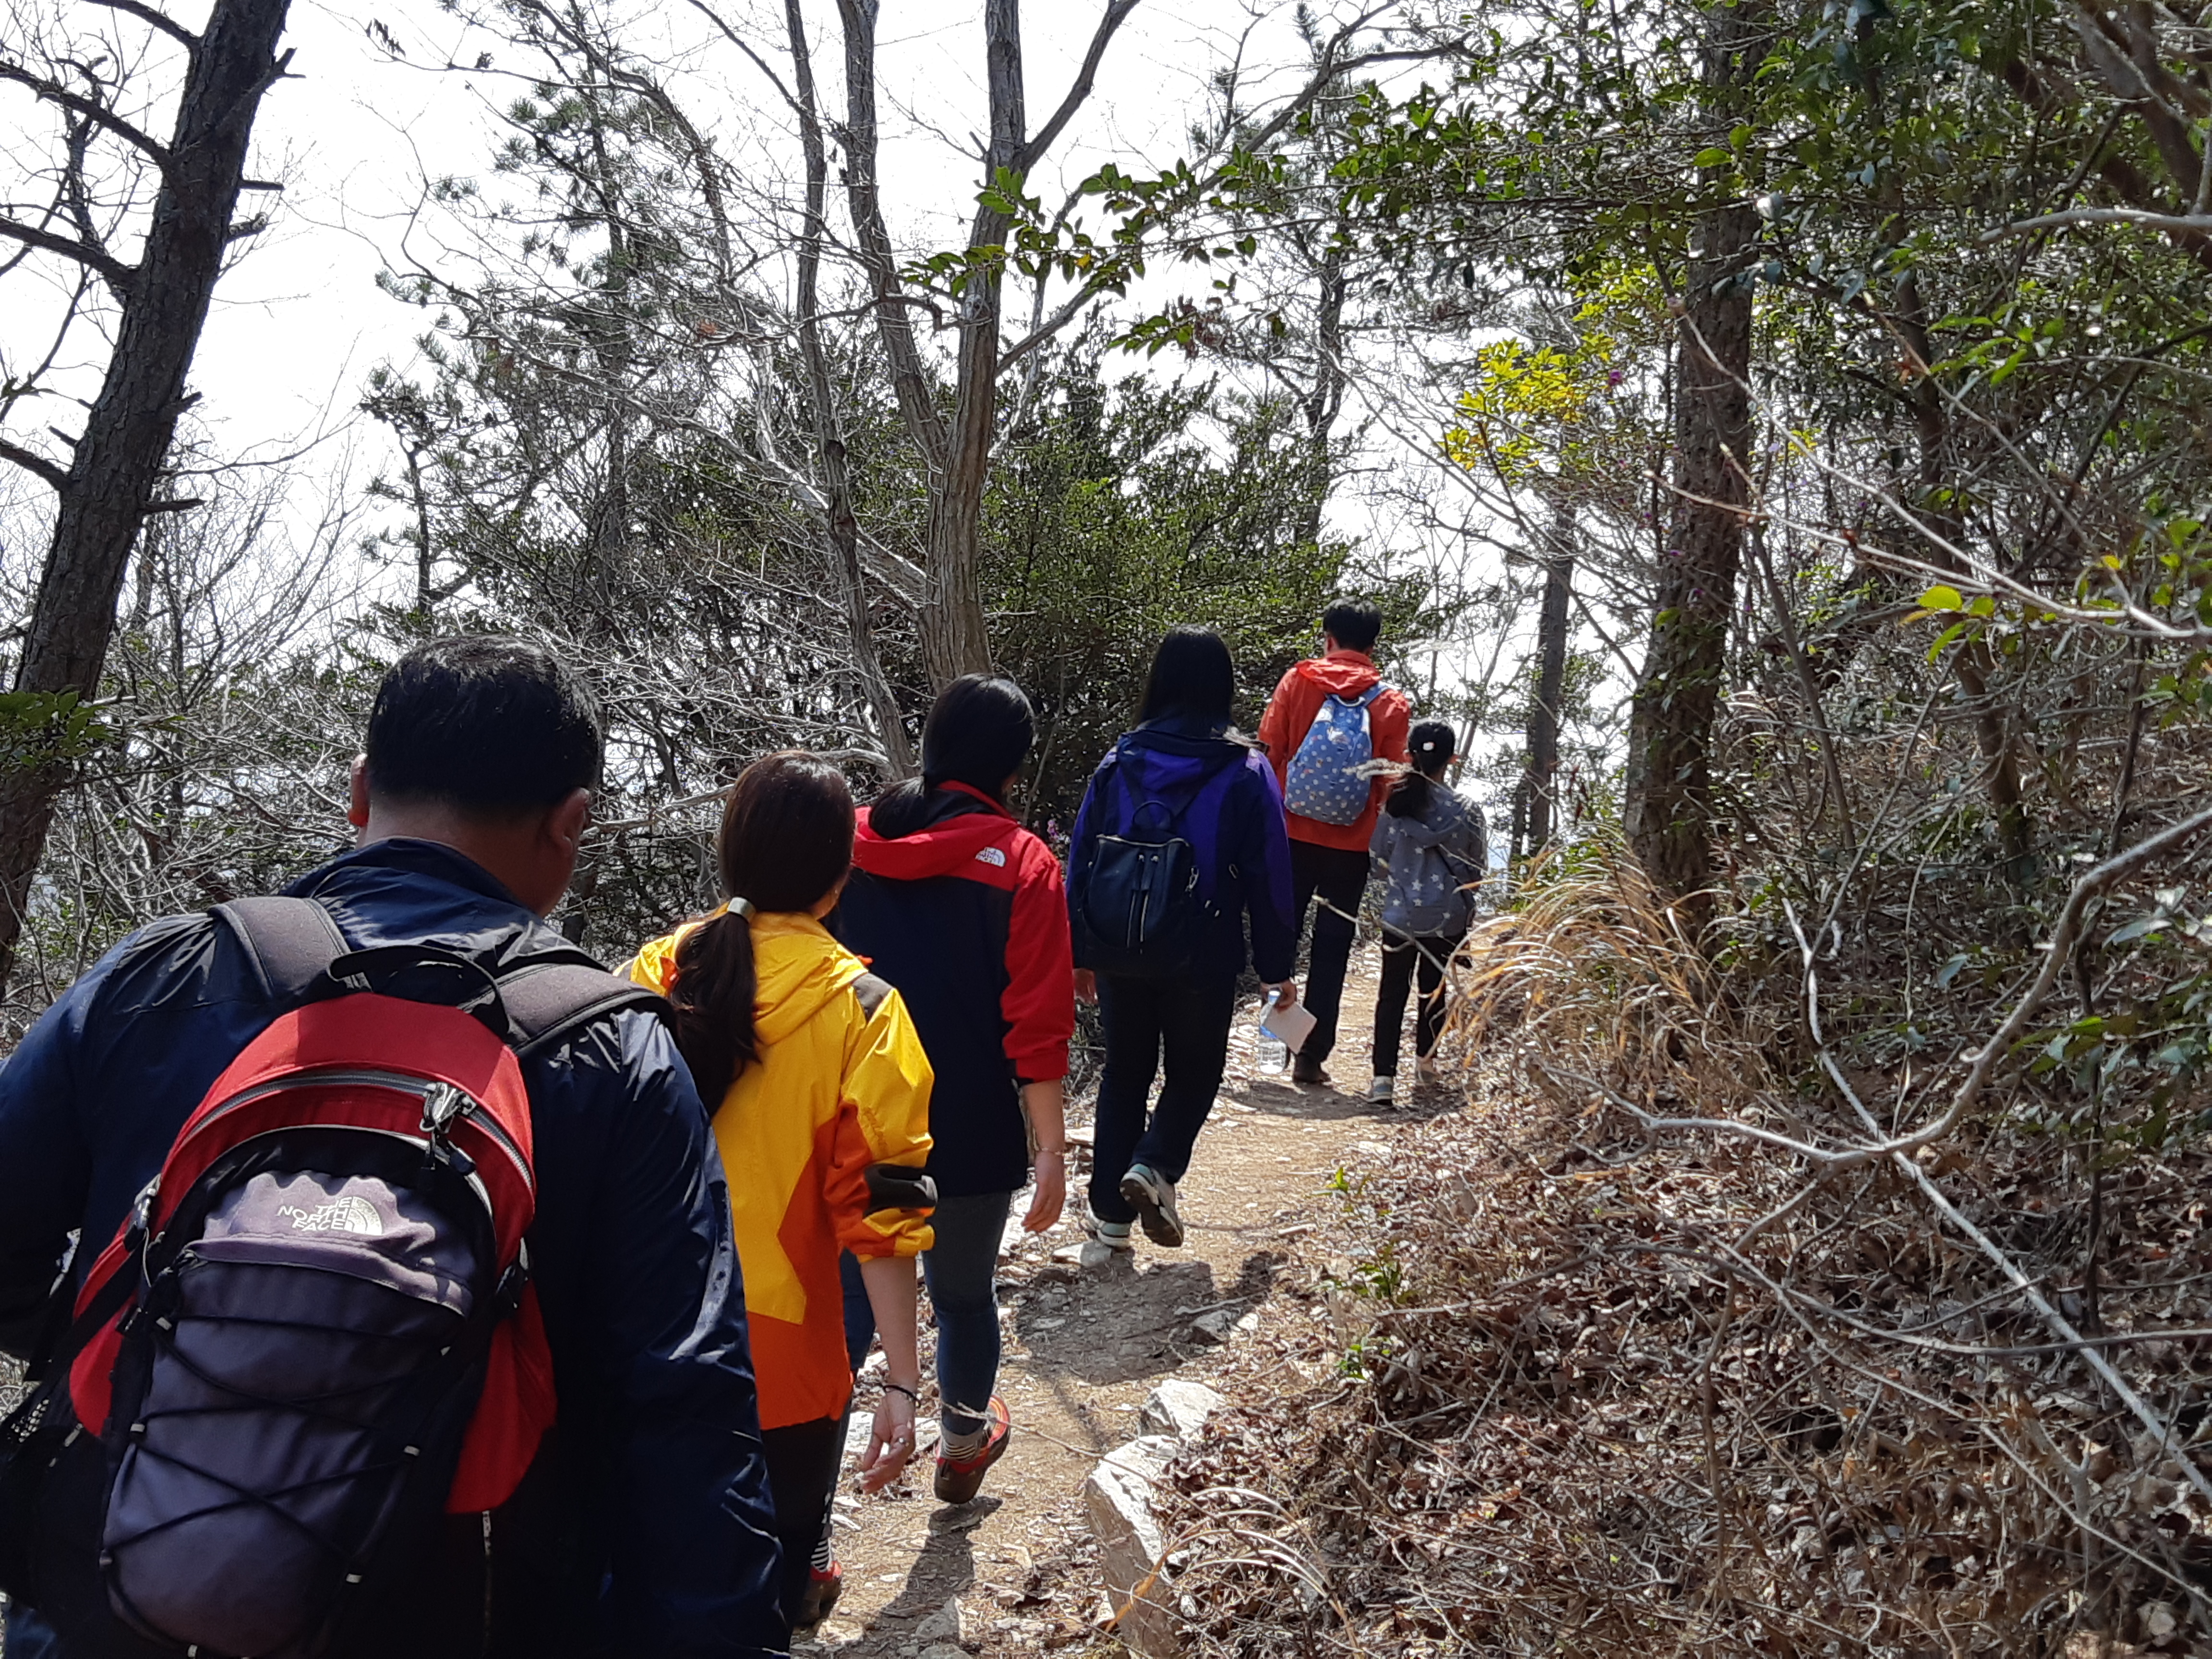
(960, 1480)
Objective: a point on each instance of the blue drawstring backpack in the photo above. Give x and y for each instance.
(1325, 782)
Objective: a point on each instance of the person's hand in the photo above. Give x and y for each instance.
(1051, 1192)
(1286, 993)
(1086, 987)
(891, 1441)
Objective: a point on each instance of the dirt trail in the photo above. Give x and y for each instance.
(1014, 1571)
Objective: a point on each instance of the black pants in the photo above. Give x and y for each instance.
(803, 1463)
(1403, 957)
(1339, 876)
(1187, 1020)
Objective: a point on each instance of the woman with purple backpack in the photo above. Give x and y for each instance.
(1181, 836)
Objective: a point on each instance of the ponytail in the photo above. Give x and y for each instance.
(1431, 745)
(786, 842)
(713, 1000)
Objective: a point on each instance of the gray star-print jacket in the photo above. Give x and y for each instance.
(1432, 863)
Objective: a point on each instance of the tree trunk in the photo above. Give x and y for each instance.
(118, 459)
(836, 478)
(955, 633)
(955, 636)
(1996, 719)
(1324, 399)
(1669, 785)
(1551, 676)
(864, 200)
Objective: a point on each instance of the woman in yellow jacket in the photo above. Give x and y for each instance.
(823, 1127)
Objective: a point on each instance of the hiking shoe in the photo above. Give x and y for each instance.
(1427, 1070)
(1114, 1234)
(1308, 1070)
(1154, 1195)
(822, 1590)
(960, 1480)
(1380, 1090)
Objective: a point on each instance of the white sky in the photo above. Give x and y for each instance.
(298, 323)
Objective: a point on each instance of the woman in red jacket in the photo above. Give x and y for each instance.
(961, 908)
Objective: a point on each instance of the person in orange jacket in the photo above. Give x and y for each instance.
(1339, 701)
(823, 1127)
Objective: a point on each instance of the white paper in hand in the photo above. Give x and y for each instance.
(1291, 1022)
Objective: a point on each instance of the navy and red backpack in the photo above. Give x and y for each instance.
(315, 1335)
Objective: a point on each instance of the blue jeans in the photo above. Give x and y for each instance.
(1185, 1021)
(961, 1269)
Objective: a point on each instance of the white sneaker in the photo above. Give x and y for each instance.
(1427, 1070)
(1114, 1234)
(1379, 1092)
(1154, 1195)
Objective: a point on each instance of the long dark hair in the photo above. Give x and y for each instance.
(979, 733)
(1192, 676)
(786, 842)
(1431, 747)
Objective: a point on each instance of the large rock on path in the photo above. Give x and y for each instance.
(1119, 1495)
(1179, 1407)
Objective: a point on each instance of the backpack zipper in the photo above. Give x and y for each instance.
(442, 1105)
(475, 1181)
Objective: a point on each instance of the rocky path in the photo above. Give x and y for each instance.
(1015, 1571)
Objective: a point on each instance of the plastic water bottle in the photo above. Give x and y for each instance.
(1271, 1054)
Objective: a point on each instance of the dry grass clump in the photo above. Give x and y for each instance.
(1568, 1400)
(1594, 976)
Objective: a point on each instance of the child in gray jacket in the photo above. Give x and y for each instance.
(1430, 847)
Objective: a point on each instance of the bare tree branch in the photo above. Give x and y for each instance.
(168, 26)
(91, 257)
(1329, 69)
(33, 463)
(1033, 151)
(91, 109)
(2185, 223)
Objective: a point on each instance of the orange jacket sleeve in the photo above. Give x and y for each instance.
(881, 1139)
(1394, 719)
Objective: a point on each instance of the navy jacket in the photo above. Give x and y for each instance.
(645, 1528)
(958, 905)
(1246, 851)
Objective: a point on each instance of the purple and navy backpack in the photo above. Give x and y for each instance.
(1143, 887)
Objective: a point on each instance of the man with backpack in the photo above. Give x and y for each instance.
(1330, 720)
(420, 1331)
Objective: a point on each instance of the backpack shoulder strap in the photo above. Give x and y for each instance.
(545, 1000)
(291, 940)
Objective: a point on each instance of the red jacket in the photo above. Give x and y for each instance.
(1292, 710)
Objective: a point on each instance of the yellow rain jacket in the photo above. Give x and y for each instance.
(823, 1143)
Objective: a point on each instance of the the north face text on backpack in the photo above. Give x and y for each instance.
(348, 1214)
